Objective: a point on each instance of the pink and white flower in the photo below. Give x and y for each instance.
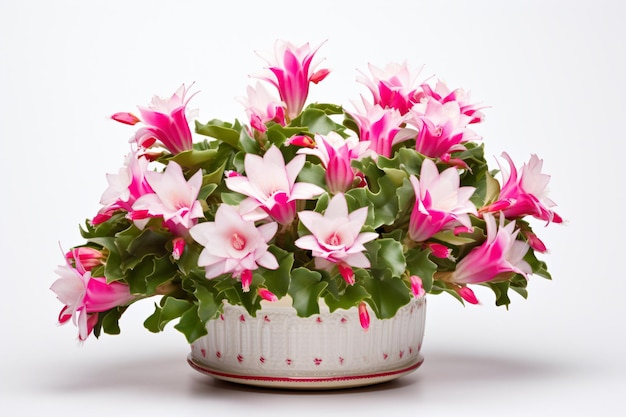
(443, 94)
(392, 87)
(174, 199)
(440, 202)
(291, 70)
(336, 237)
(261, 107)
(165, 120)
(125, 187)
(336, 155)
(271, 186)
(380, 127)
(442, 128)
(234, 245)
(84, 296)
(501, 253)
(525, 192)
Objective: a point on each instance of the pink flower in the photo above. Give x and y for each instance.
(125, 187)
(234, 245)
(271, 186)
(165, 120)
(525, 192)
(392, 87)
(84, 296)
(442, 128)
(380, 127)
(262, 107)
(336, 237)
(440, 202)
(443, 94)
(174, 198)
(290, 71)
(336, 155)
(500, 253)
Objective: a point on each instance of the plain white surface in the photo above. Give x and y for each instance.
(553, 74)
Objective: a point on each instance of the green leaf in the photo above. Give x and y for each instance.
(172, 308)
(351, 297)
(386, 296)
(386, 255)
(111, 227)
(277, 280)
(538, 267)
(108, 321)
(305, 289)
(277, 134)
(380, 196)
(190, 326)
(208, 305)
(327, 108)
(163, 271)
(501, 290)
(113, 267)
(313, 174)
(195, 159)
(220, 130)
(406, 160)
(136, 277)
(418, 263)
(316, 121)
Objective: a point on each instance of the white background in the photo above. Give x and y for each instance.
(553, 74)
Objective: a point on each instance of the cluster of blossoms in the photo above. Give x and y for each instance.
(362, 207)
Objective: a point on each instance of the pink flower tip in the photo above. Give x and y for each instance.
(266, 294)
(456, 162)
(246, 280)
(302, 141)
(535, 242)
(439, 250)
(416, 286)
(178, 247)
(364, 316)
(497, 206)
(231, 174)
(467, 294)
(462, 229)
(319, 75)
(346, 272)
(126, 118)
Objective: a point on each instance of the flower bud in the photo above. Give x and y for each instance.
(266, 294)
(364, 316)
(467, 294)
(178, 247)
(416, 286)
(246, 280)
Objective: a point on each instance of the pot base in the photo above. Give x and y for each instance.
(307, 383)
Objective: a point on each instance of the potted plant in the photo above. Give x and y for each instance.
(343, 214)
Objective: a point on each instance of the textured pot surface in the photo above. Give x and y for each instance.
(326, 350)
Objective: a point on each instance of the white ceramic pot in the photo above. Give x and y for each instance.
(327, 350)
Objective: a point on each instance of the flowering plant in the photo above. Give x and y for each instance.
(363, 207)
